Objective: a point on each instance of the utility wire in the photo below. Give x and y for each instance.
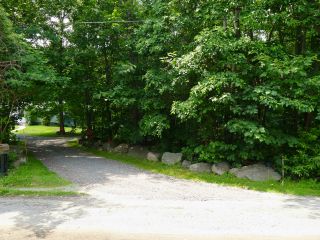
(115, 21)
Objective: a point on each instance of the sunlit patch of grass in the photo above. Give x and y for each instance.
(44, 131)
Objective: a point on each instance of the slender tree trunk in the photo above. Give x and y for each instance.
(270, 35)
(60, 67)
(300, 44)
(236, 22)
(108, 114)
(281, 36)
(61, 117)
(1, 133)
(225, 23)
(308, 117)
(251, 34)
(315, 47)
(89, 117)
(300, 47)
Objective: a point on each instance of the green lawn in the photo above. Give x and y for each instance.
(31, 176)
(43, 131)
(303, 188)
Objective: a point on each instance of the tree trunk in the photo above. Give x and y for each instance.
(236, 22)
(89, 117)
(61, 118)
(108, 114)
(300, 45)
(90, 135)
(308, 117)
(60, 70)
(225, 23)
(315, 47)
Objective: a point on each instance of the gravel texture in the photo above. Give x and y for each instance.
(123, 202)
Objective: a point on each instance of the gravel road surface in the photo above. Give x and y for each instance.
(123, 202)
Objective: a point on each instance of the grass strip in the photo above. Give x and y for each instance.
(301, 188)
(7, 192)
(33, 174)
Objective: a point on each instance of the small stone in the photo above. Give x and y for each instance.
(200, 167)
(186, 164)
(171, 158)
(220, 168)
(152, 156)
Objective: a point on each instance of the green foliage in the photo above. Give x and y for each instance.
(306, 161)
(31, 117)
(223, 80)
(216, 152)
(255, 92)
(24, 74)
(154, 125)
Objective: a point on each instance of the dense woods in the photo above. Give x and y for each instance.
(220, 80)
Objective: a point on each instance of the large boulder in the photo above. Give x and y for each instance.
(138, 151)
(256, 172)
(186, 164)
(220, 168)
(122, 148)
(234, 171)
(153, 156)
(107, 147)
(171, 158)
(97, 144)
(200, 167)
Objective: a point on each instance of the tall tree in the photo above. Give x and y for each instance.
(23, 75)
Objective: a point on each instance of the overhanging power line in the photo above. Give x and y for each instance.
(114, 21)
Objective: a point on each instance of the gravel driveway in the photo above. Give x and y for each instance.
(124, 202)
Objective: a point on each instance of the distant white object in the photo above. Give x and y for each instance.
(22, 121)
